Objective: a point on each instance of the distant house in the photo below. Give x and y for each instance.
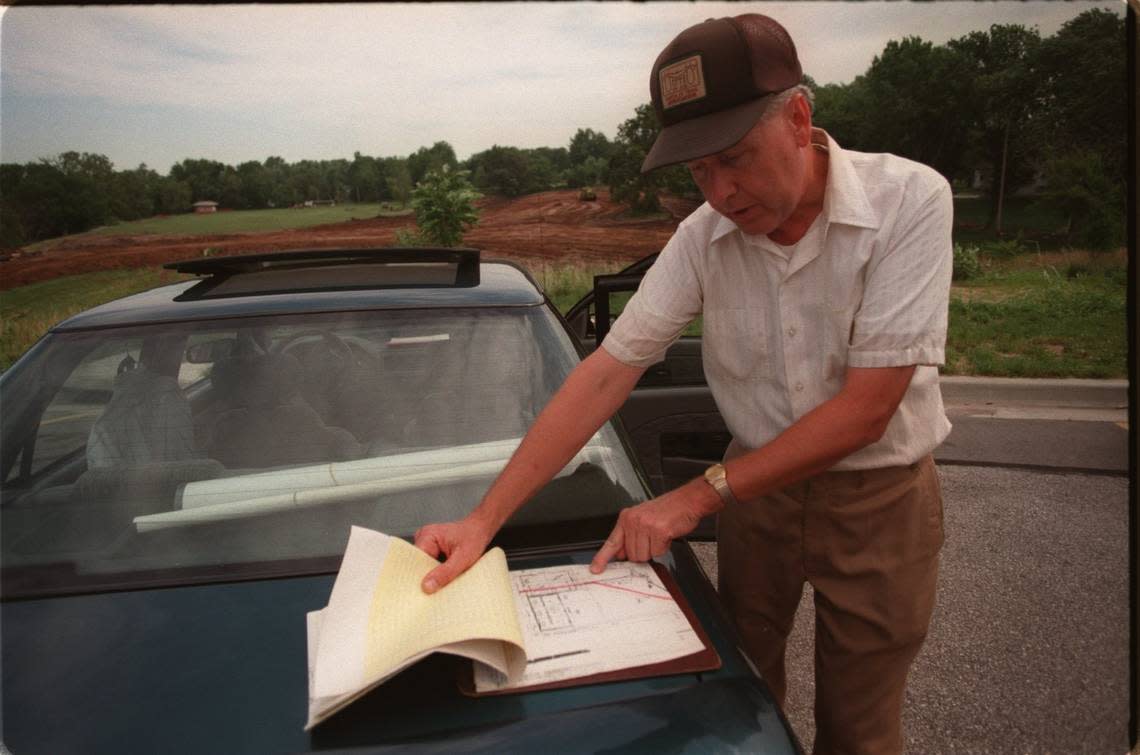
(205, 206)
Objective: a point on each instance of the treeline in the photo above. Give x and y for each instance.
(1008, 106)
(1002, 109)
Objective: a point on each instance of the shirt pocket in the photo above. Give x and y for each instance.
(735, 343)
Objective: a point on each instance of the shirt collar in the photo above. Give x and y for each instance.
(844, 200)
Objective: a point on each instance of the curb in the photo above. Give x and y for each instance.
(1070, 392)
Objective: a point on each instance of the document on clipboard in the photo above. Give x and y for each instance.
(527, 629)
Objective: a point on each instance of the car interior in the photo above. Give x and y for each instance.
(302, 427)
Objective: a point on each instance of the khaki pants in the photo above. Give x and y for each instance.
(868, 543)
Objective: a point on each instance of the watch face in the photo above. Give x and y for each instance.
(715, 476)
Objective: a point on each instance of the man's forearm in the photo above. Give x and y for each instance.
(592, 393)
(832, 431)
(835, 429)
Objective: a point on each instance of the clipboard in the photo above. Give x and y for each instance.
(706, 659)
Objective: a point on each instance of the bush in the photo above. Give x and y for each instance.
(1001, 250)
(1083, 188)
(444, 203)
(966, 263)
(410, 237)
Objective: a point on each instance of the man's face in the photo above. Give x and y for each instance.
(760, 181)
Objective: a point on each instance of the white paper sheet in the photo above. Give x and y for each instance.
(576, 623)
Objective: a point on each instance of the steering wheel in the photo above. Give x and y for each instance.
(334, 346)
(329, 365)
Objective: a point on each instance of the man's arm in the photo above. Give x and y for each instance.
(856, 417)
(593, 391)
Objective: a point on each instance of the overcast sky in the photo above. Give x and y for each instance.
(236, 83)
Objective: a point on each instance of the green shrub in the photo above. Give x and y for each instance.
(410, 237)
(1001, 250)
(444, 203)
(966, 263)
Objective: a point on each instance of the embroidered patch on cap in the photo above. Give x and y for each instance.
(681, 82)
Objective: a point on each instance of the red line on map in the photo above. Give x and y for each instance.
(600, 584)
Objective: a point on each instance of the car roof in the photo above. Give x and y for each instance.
(318, 281)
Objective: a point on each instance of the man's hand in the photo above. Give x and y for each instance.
(461, 543)
(645, 530)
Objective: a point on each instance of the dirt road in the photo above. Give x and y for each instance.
(554, 225)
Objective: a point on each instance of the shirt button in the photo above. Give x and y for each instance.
(791, 332)
(799, 387)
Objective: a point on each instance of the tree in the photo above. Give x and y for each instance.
(69, 193)
(13, 222)
(1084, 74)
(500, 170)
(256, 191)
(589, 173)
(914, 101)
(431, 158)
(172, 196)
(86, 189)
(587, 143)
(366, 179)
(305, 178)
(133, 193)
(398, 180)
(335, 180)
(444, 203)
(231, 194)
(839, 109)
(204, 177)
(1078, 184)
(589, 156)
(627, 183)
(1005, 94)
(512, 172)
(547, 166)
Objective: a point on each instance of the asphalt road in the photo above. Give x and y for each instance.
(1028, 648)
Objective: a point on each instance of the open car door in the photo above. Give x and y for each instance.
(671, 418)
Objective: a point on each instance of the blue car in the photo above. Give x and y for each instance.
(160, 551)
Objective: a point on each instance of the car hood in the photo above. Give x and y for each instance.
(221, 668)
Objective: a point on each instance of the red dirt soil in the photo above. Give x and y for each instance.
(552, 226)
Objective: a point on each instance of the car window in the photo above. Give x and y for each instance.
(262, 440)
(68, 418)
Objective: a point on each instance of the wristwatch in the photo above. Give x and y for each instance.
(715, 476)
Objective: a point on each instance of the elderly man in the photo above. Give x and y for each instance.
(823, 279)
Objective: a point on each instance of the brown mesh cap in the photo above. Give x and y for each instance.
(710, 85)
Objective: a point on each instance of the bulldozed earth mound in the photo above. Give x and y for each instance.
(539, 228)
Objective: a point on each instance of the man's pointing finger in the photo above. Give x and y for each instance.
(606, 553)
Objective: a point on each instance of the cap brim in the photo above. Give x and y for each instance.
(705, 135)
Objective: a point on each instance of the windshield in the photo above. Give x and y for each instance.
(207, 446)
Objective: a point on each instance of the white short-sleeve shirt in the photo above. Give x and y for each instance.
(868, 285)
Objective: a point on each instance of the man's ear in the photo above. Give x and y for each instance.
(800, 117)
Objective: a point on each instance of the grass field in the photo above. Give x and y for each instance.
(246, 221)
(1053, 315)
(1057, 316)
(27, 312)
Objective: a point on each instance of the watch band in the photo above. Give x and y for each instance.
(716, 476)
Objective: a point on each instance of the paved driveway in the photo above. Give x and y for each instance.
(1028, 649)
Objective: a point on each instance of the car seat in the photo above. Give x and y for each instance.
(260, 419)
(139, 451)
